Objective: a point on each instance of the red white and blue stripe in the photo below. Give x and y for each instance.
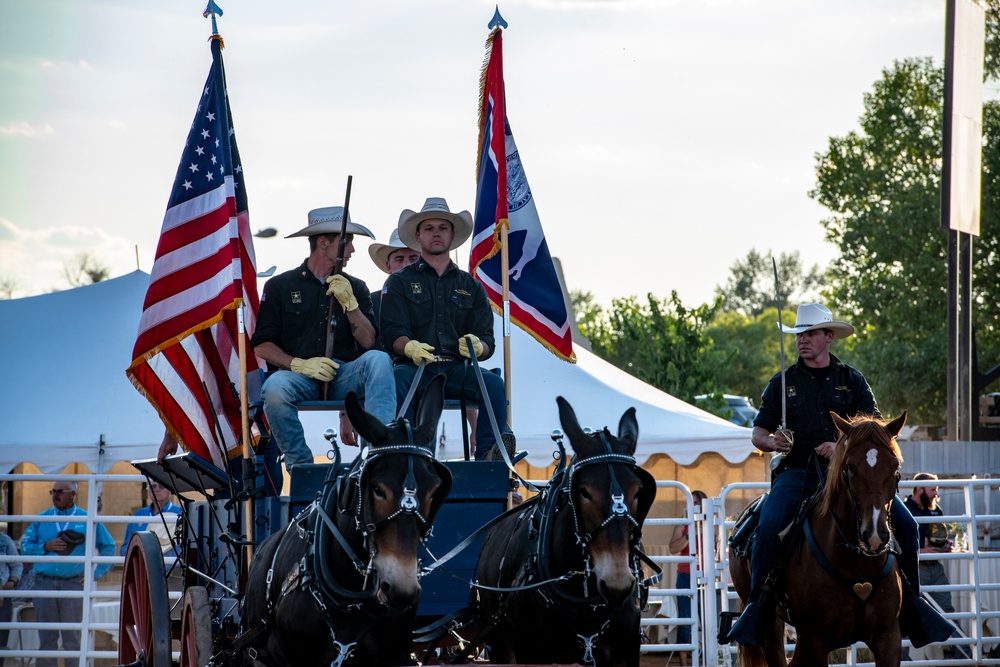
(186, 357)
(503, 198)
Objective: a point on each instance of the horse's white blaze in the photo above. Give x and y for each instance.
(875, 541)
(872, 457)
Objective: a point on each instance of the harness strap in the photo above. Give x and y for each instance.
(833, 572)
(413, 389)
(493, 423)
(340, 538)
(464, 544)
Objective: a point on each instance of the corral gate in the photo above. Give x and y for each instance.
(973, 569)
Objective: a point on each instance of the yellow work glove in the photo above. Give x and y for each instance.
(340, 287)
(463, 346)
(417, 352)
(317, 368)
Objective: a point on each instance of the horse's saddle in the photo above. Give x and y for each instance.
(741, 541)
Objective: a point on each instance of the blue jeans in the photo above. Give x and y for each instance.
(460, 382)
(57, 610)
(683, 607)
(788, 491)
(370, 376)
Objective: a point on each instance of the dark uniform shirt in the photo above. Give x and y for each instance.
(812, 394)
(931, 534)
(293, 315)
(437, 310)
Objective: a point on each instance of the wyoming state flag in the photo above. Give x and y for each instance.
(504, 198)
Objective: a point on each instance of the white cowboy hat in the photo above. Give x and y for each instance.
(328, 221)
(435, 208)
(379, 252)
(811, 316)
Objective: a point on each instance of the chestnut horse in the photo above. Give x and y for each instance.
(560, 581)
(841, 579)
(339, 585)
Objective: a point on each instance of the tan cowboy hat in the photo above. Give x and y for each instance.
(328, 221)
(435, 208)
(379, 252)
(817, 316)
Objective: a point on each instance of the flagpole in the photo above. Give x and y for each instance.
(212, 10)
(505, 287)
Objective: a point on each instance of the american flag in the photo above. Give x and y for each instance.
(186, 357)
(503, 198)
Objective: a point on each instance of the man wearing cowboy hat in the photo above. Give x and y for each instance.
(389, 258)
(429, 309)
(291, 337)
(815, 385)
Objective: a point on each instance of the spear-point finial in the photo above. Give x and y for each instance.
(496, 22)
(213, 10)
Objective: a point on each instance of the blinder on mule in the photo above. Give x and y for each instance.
(619, 509)
(351, 500)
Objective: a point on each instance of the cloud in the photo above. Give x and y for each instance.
(37, 258)
(65, 64)
(25, 129)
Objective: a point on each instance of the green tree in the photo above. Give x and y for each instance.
(751, 346)
(881, 184)
(749, 290)
(585, 307)
(660, 342)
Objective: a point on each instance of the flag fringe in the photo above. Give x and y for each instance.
(482, 94)
(174, 340)
(528, 330)
(503, 223)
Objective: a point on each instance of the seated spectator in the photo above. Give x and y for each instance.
(159, 503)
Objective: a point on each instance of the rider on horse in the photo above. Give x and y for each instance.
(817, 384)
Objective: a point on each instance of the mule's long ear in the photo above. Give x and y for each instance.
(842, 424)
(896, 425)
(370, 428)
(567, 417)
(628, 430)
(431, 404)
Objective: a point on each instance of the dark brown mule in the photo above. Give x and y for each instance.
(841, 580)
(581, 536)
(339, 584)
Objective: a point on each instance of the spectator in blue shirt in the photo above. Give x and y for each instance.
(62, 538)
(159, 503)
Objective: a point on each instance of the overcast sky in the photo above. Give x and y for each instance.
(662, 139)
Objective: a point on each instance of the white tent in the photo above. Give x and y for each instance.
(599, 393)
(65, 397)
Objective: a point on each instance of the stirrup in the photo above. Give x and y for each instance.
(747, 628)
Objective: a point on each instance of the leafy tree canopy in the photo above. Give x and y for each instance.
(881, 184)
(749, 290)
(661, 342)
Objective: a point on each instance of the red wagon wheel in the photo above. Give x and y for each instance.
(144, 627)
(196, 628)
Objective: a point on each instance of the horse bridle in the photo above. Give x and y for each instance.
(408, 503)
(619, 510)
(860, 548)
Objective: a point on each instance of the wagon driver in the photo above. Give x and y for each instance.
(431, 307)
(291, 335)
